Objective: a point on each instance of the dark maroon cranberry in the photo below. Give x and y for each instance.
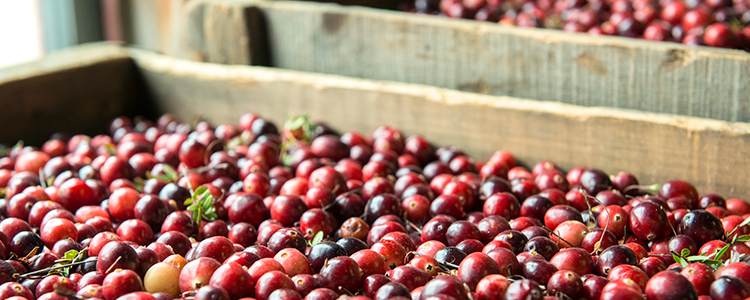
(470, 246)
(287, 238)
(209, 292)
(436, 228)
(594, 181)
(615, 256)
(347, 205)
(341, 273)
(701, 226)
(515, 238)
(243, 233)
(567, 283)
(493, 186)
(151, 210)
(523, 189)
(542, 245)
(321, 252)
(728, 287)
(178, 241)
(535, 231)
(383, 204)
(116, 255)
(24, 242)
(535, 207)
(373, 282)
(446, 285)
(460, 231)
(450, 255)
(538, 270)
(351, 245)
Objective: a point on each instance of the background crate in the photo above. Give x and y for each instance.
(470, 56)
(80, 90)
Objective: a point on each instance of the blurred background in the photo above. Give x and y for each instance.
(31, 28)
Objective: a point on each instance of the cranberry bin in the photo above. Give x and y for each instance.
(81, 90)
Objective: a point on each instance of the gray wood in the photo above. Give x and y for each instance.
(477, 57)
(655, 147)
(80, 90)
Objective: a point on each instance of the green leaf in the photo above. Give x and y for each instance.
(743, 238)
(206, 202)
(188, 201)
(170, 172)
(680, 259)
(70, 255)
(200, 190)
(318, 238)
(744, 223)
(684, 252)
(721, 252)
(698, 258)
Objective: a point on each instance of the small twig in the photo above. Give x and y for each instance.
(47, 270)
(559, 238)
(113, 265)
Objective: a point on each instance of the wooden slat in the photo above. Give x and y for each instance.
(476, 57)
(74, 91)
(655, 147)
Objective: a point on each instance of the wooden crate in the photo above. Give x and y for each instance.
(470, 56)
(81, 89)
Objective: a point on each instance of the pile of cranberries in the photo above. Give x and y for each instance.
(305, 213)
(718, 23)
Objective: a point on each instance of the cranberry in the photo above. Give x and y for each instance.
(116, 255)
(701, 226)
(234, 279)
(649, 221)
(614, 256)
(524, 289)
(121, 282)
(728, 287)
(567, 283)
(445, 285)
(341, 273)
(574, 259)
(248, 208)
(211, 293)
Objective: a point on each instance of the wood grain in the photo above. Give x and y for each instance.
(74, 91)
(655, 147)
(481, 57)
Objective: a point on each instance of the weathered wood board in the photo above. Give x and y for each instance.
(655, 147)
(471, 56)
(73, 91)
(81, 89)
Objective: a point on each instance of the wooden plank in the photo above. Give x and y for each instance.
(655, 147)
(477, 57)
(74, 91)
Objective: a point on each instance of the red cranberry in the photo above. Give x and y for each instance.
(446, 285)
(649, 221)
(234, 279)
(121, 282)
